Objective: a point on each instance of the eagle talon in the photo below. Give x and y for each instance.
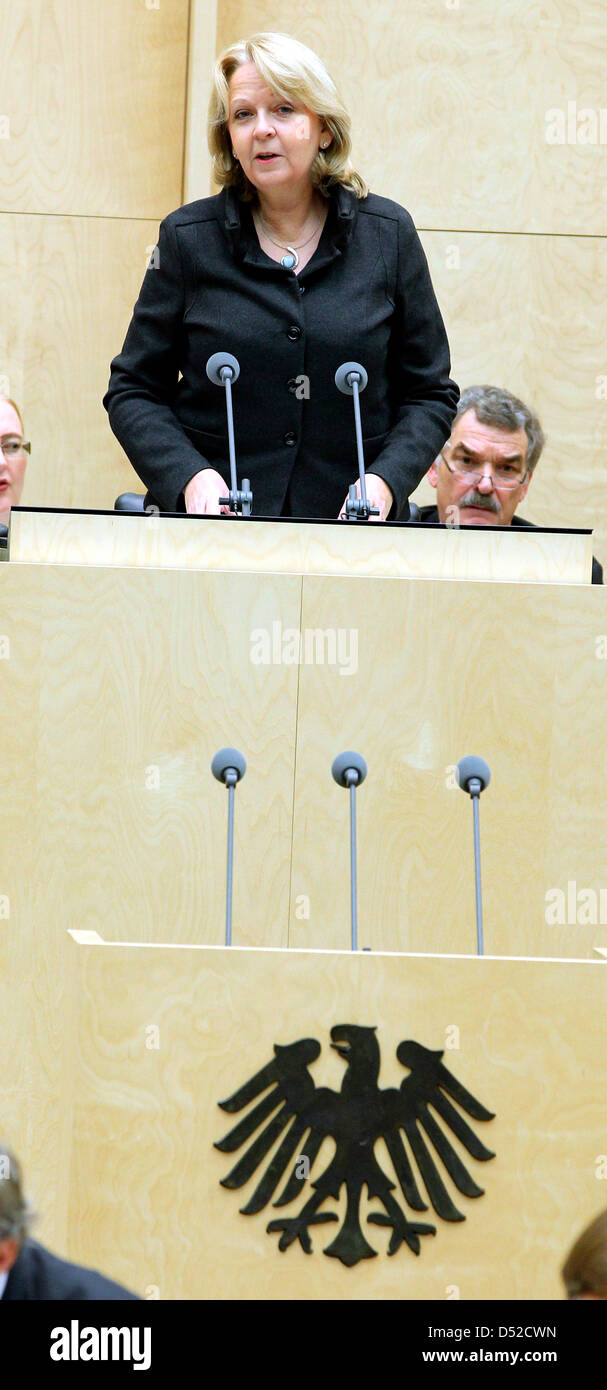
(402, 1230)
(296, 1228)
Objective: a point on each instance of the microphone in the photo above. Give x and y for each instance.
(351, 379)
(223, 369)
(349, 770)
(229, 766)
(473, 775)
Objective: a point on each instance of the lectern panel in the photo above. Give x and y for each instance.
(294, 547)
(121, 686)
(421, 675)
(162, 1036)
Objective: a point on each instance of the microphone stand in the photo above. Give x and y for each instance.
(351, 378)
(228, 766)
(223, 369)
(349, 770)
(473, 775)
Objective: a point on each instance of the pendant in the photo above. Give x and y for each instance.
(291, 260)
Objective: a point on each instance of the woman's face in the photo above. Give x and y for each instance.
(12, 469)
(274, 139)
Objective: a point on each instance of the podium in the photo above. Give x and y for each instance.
(122, 1116)
(133, 648)
(125, 678)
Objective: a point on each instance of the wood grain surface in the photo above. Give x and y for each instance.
(445, 670)
(288, 547)
(94, 95)
(122, 683)
(528, 313)
(68, 285)
(161, 1036)
(450, 103)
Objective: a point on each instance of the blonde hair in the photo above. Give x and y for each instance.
(297, 73)
(16, 410)
(585, 1269)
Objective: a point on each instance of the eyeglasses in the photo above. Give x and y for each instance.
(503, 474)
(11, 448)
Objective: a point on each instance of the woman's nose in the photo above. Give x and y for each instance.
(263, 123)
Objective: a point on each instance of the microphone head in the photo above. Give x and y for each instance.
(342, 374)
(470, 767)
(346, 762)
(219, 360)
(228, 758)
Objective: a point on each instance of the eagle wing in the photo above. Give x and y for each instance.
(294, 1104)
(430, 1083)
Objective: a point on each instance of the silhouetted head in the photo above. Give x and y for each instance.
(360, 1049)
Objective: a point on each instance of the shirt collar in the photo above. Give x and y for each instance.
(3, 1281)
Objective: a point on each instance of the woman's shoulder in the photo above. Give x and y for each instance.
(374, 205)
(201, 210)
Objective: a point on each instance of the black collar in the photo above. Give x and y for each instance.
(338, 228)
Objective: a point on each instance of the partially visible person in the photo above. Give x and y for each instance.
(585, 1269)
(28, 1270)
(485, 469)
(13, 457)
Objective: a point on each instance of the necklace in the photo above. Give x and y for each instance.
(291, 260)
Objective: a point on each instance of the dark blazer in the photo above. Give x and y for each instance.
(37, 1274)
(365, 296)
(430, 514)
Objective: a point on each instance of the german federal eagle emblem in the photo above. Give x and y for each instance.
(354, 1118)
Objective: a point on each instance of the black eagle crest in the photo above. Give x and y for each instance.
(354, 1118)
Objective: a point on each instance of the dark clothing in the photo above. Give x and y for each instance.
(364, 296)
(428, 514)
(37, 1274)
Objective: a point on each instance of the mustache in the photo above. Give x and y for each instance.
(480, 501)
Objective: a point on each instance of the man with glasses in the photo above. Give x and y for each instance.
(484, 470)
(14, 450)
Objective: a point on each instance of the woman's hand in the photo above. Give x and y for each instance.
(378, 495)
(202, 493)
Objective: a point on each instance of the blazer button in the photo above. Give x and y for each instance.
(292, 385)
(290, 438)
(293, 332)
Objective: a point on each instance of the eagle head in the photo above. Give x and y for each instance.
(358, 1047)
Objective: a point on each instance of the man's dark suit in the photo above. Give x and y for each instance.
(430, 514)
(365, 296)
(37, 1274)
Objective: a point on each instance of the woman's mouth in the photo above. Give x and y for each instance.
(267, 158)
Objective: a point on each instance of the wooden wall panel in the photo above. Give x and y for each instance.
(450, 100)
(94, 95)
(529, 313)
(201, 55)
(68, 285)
